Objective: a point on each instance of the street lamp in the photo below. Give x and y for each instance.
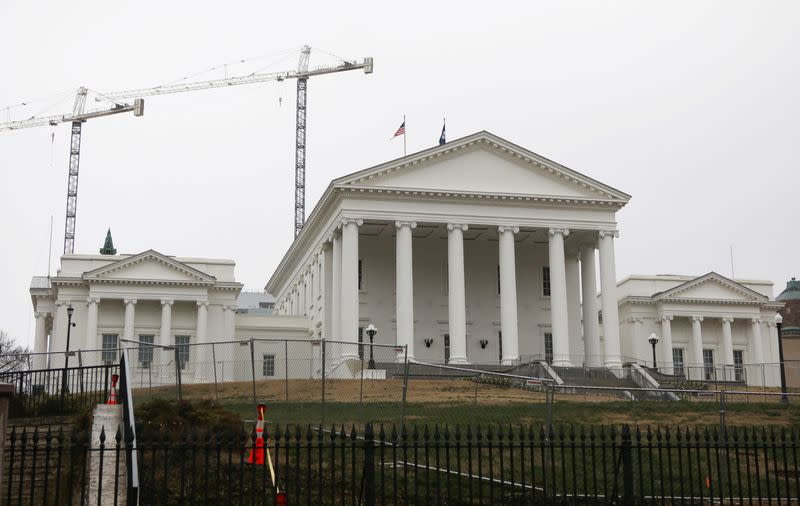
(653, 342)
(779, 324)
(371, 331)
(70, 310)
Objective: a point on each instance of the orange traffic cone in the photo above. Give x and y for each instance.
(112, 400)
(257, 453)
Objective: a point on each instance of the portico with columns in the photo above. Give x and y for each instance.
(474, 252)
(148, 297)
(709, 328)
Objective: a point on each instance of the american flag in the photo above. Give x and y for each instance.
(401, 130)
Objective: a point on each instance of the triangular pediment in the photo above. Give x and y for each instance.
(483, 163)
(149, 267)
(712, 286)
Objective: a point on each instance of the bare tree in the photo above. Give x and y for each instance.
(13, 357)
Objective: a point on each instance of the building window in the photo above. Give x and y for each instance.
(146, 350)
(268, 365)
(110, 348)
(446, 340)
(738, 365)
(182, 343)
(600, 317)
(708, 364)
(548, 347)
(546, 281)
(361, 281)
(500, 344)
(361, 343)
(677, 362)
(498, 280)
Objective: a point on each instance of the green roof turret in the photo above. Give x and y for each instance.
(108, 247)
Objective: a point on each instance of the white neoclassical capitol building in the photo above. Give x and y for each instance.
(477, 251)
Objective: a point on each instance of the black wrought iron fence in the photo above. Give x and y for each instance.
(427, 465)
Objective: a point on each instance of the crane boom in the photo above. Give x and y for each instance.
(137, 108)
(246, 79)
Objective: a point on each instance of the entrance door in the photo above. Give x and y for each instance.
(447, 348)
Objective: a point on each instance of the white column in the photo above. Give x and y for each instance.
(608, 299)
(696, 349)
(664, 346)
(336, 281)
(572, 269)
(509, 324)
(90, 338)
(165, 334)
(456, 299)
(200, 356)
(727, 345)
(558, 298)
(591, 325)
(349, 282)
(40, 341)
(404, 272)
(130, 317)
(327, 292)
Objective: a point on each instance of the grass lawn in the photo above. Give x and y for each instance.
(465, 402)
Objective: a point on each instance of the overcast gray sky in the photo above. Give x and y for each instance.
(691, 107)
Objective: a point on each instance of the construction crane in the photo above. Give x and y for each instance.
(302, 74)
(77, 118)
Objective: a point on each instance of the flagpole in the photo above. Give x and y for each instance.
(405, 134)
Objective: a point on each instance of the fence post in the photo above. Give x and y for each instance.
(323, 382)
(214, 364)
(286, 366)
(253, 369)
(627, 466)
(405, 390)
(178, 374)
(369, 465)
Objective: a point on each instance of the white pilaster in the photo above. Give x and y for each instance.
(336, 280)
(696, 349)
(58, 338)
(130, 320)
(165, 334)
(229, 321)
(572, 268)
(202, 321)
(591, 325)
(756, 349)
(664, 346)
(456, 300)
(608, 299)
(40, 341)
(558, 298)
(90, 337)
(509, 324)
(405, 285)
(641, 347)
(349, 281)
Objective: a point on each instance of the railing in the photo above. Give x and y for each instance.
(129, 430)
(41, 392)
(429, 465)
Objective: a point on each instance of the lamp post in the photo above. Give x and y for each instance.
(779, 325)
(653, 341)
(371, 331)
(64, 389)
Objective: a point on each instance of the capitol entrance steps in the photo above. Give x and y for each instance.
(598, 377)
